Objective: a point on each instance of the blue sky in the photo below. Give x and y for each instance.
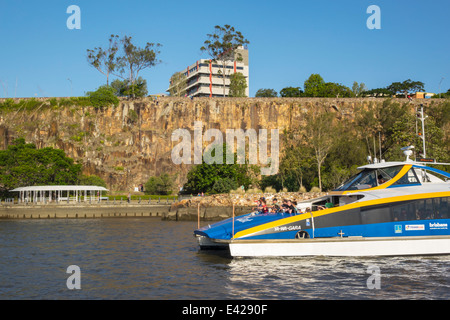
(289, 40)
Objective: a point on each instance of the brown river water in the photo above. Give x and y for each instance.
(150, 259)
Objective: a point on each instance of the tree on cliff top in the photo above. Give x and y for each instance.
(102, 97)
(405, 87)
(127, 66)
(104, 61)
(136, 59)
(178, 84)
(222, 46)
(21, 164)
(314, 85)
(238, 84)
(266, 93)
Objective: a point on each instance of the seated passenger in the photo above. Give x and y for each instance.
(275, 207)
(291, 207)
(381, 180)
(264, 208)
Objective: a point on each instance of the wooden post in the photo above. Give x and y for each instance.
(232, 231)
(198, 215)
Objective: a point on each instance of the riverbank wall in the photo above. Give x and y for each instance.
(163, 212)
(210, 208)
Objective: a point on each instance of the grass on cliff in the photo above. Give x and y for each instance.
(102, 97)
(34, 104)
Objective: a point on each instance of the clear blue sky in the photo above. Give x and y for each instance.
(289, 40)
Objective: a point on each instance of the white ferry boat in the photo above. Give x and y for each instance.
(388, 208)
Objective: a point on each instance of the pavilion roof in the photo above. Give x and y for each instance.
(62, 188)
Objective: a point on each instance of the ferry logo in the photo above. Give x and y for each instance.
(245, 219)
(414, 227)
(438, 225)
(398, 228)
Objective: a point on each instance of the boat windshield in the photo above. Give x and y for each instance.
(369, 178)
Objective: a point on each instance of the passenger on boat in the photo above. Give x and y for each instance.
(284, 206)
(264, 208)
(294, 204)
(381, 180)
(403, 216)
(289, 207)
(275, 207)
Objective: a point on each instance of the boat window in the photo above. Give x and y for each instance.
(364, 180)
(426, 176)
(404, 211)
(386, 174)
(409, 178)
(443, 208)
(369, 178)
(391, 171)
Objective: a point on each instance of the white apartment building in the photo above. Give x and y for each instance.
(203, 78)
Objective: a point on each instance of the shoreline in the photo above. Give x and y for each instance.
(76, 211)
(210, 208)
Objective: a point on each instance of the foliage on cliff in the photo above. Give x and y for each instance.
(21, 164)
(102, 97)
(161, 185)
(220, 177)
(325, 155)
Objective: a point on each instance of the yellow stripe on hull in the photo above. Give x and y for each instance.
(354, 205)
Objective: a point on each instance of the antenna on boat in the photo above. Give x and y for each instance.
(422, 136)
(375, 160)
(407, 151)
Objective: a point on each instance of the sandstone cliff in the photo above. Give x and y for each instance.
(127, 144)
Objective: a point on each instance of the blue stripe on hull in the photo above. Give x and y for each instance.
(434, 227)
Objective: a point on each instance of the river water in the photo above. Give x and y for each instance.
(146, 258)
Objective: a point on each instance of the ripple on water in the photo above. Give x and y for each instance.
(146, 258)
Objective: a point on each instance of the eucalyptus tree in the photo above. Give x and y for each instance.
(136, 59)
(178, 84)
(222, 46)
(105, 61)
(238, 85)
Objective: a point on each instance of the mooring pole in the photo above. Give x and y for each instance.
(198, 215)
(232, 231)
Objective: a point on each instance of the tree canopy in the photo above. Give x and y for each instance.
(21, 164)
(125, 60)
(222, 46)
(406, 87)
(220, 178)
(238, 84)
(266, 93)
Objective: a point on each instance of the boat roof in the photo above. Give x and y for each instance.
(386, 164)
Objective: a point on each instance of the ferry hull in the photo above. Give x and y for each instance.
(342, 247)
(206, 243)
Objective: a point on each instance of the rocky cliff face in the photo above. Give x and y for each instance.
(127, 144)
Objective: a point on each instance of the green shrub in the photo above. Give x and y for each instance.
(224, 185)
(104, 96)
